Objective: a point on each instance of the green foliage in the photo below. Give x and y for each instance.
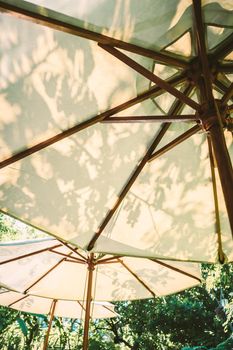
(22, 325)
(195, 348)
(226, 345)
(11, 229)
(10, 336)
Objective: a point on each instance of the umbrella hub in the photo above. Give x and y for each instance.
(195, 72)
(91, 263)
(213, 115)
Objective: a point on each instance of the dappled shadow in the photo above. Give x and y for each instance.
(57, 80)
(142, 23)
(67, 188)
(169, 212)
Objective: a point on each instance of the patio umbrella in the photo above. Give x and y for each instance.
(116, 123)
(53, 307)
(47, 268)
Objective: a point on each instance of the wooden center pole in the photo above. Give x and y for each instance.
(50, 324)
(88, 300)
(211, 116)
(224, 165)
(212, 122)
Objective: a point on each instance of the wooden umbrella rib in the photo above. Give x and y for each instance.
(109, 309)
(151, 118)
(216, 206)
(66, 255)
(102, 261)
(45, 274)
(176, 269)
(175, 142)
(18, 300)
(108, 262)
(29, 254)
(127, 186)
(64, 134)
(178, 105)
(151, 76)
(76, 261)
(226, 68)
(74, 250)
(81, 305)
(137, 278)
(60, 22)
(155, 91)
(228, 94)
(175, 108)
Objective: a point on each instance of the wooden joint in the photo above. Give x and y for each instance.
(91, 263)
(208, 122)
(208, 118)
(211, 116)
(194, 72)
(222, 258)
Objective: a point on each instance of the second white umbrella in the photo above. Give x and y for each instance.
(53, 269)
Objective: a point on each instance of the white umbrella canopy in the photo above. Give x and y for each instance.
(47, 268)
(64, 308)
(87, 128)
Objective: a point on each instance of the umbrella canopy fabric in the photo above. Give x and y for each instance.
(64, 308)
(112, 123)
(47, 268)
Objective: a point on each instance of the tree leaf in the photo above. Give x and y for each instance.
(22, 325)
